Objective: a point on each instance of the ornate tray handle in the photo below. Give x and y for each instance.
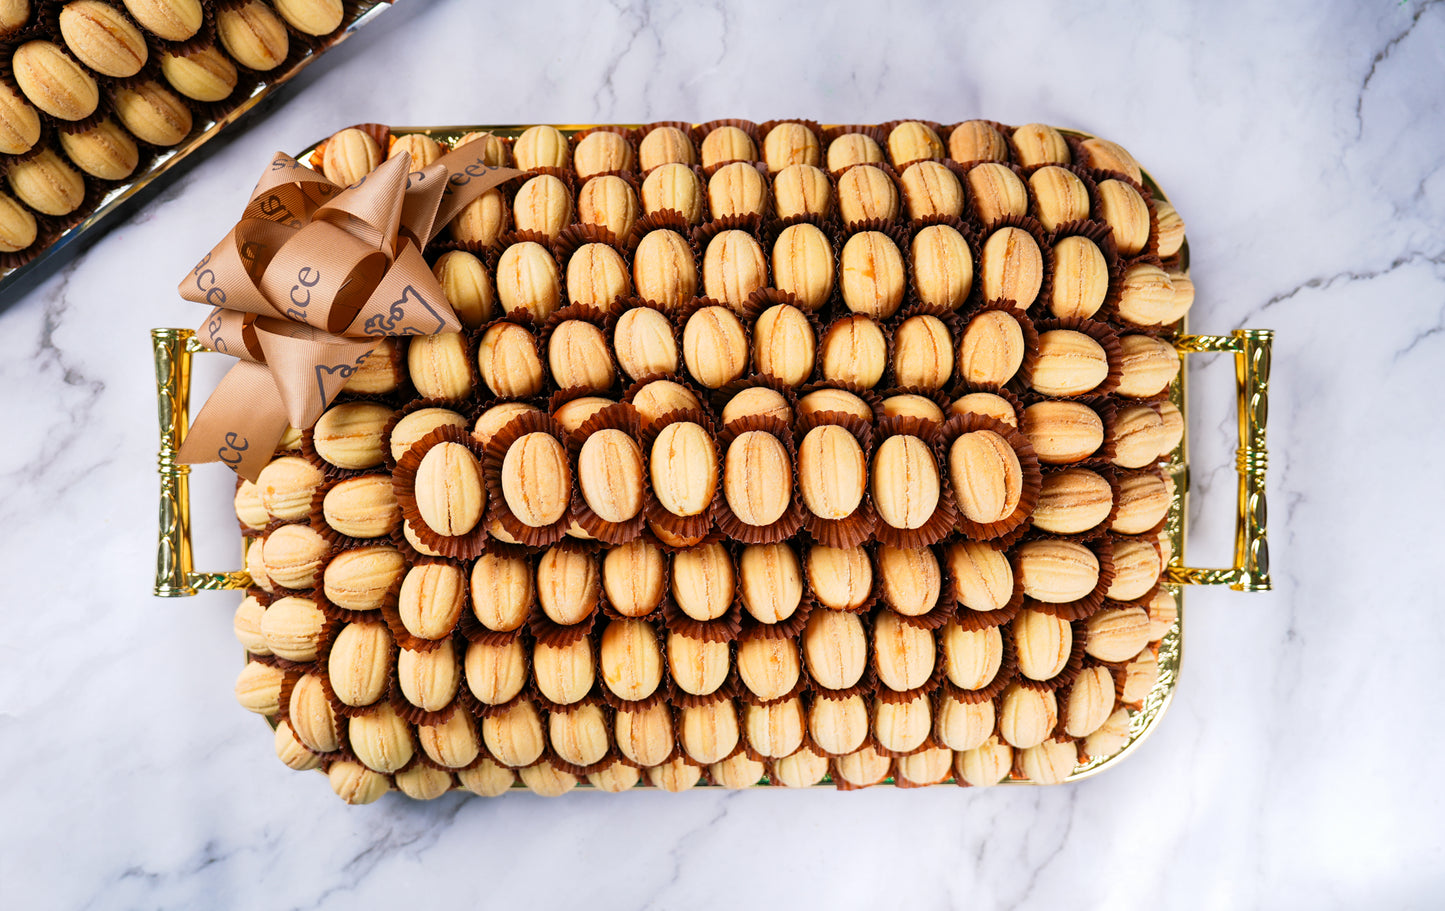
(176, 576)
(1251, 349)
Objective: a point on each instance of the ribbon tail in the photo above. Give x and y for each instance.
(241, 422)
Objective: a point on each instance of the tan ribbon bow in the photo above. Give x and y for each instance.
(306, 284)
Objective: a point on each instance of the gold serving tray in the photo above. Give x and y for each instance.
(358, 13)
(177, 577)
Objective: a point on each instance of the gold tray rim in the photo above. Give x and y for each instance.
(1144, 720)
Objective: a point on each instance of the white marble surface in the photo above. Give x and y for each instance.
(1298, 766)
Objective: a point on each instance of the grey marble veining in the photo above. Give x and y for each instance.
(1302, 143)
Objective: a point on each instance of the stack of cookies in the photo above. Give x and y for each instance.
(92, 89)
(770, 453)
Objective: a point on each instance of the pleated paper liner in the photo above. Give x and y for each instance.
(726, 519)
(492, 460)
(968, 232)
(866, 683)
(963, 383)
(745, 696)
(1090, 604)
(1102, 237)
(1101, 333)
(973, 620)
(857, 527)
(726, 691)
(675, 543)
(728, 405)
(1151, 246)
(622, 417)
(1030, 226)
(1007, 673)
(461, 408)
(468, 699)
(683, 127)
(343, 615)
(700, 524)
(938, 525)
(321, 670)
(474, 631)
(589, 315)
(415, 714)
(630, 395)
(936, 676)
(758, 303)
(1102, 458)
(944, 607)
(869, 398)
(452, 547)
(1071, 669)
(597, 695)
(337, 539)
(277, 662)
(1013, 526)
(402, 635)
(953, 326)
(1099, 528)
(789, 627)
(724, 628)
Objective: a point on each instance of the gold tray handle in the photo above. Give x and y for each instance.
(1251, 349)
(175, 575)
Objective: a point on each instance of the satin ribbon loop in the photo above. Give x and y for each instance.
(308, 281)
